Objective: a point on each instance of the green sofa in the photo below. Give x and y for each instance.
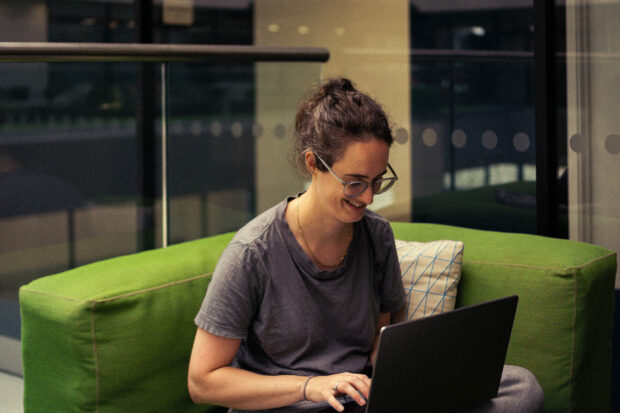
(116, 335)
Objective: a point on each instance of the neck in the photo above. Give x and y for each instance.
(317, 223)
(327, 249)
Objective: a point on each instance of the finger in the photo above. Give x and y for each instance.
(361, 383)
(333, 402)
(353, 392)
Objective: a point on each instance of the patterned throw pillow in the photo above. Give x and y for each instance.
(431, 272)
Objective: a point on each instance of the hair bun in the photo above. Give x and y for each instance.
(336, 114)
(339, 84)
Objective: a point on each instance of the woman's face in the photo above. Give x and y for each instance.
(361, 161)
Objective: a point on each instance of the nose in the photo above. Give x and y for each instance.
(368, 195)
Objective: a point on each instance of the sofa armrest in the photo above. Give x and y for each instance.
(116, 335)
(563, 326)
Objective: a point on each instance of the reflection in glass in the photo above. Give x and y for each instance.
(477, 170)
(215, 174)
(70, 186)
(591, 124)
(210, 173)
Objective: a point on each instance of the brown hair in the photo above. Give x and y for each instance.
(332, 117)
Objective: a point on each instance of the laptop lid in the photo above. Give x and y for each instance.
(445, 362)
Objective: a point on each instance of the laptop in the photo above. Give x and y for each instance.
(442, 363)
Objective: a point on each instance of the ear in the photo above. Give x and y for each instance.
(310, 161)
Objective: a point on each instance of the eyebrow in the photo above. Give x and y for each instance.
(359, 176)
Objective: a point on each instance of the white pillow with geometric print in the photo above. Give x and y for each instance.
(431, 273)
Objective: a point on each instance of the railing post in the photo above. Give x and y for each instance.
(164, 155)
(145, 132)
(545, 123)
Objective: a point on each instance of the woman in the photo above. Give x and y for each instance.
(292, 313)
(291, 317)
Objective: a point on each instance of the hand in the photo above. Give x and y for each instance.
(321, 388)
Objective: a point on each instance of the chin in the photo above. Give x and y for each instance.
(355, 209)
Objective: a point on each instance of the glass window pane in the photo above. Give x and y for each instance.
(211, 148)
(71, 178)
(591, 151)
(473, 147)
(230, 136)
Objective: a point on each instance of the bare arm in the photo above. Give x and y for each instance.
(399, 315)
(384, 320)
(212, 380)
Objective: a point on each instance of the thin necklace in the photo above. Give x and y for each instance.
(303, 237)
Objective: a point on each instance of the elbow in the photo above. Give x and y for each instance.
(196, 389)
(195, 398)
(399, 315)
(193, 393)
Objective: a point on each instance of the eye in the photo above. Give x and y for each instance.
(354, 188)
(356, 185)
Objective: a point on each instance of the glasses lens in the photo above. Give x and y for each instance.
(354, 188)
(382, 185)
(377, 185)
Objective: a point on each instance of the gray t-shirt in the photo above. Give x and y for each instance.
(292, 317)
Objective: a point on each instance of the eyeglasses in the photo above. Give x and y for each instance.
(351, 189)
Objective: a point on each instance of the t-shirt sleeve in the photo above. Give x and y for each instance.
(391, 290)
(233, 294)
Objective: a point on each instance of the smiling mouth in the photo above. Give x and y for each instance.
(355, 204)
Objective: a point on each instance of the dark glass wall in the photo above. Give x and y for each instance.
(81, 147)
(473, 152)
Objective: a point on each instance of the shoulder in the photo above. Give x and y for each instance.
(377, 225)
(260, 228)
(254, 240)
(378, 235)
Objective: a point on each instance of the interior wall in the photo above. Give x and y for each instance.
(24, 21)
(368, 42)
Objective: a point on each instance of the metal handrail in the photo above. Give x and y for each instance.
(451, 55)
(137, 52)
(147, 52)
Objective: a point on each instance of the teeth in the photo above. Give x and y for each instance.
(356, 205)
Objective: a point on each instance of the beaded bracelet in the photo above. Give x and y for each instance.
(306, 384)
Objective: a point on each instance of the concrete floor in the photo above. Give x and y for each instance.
(11, 392)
